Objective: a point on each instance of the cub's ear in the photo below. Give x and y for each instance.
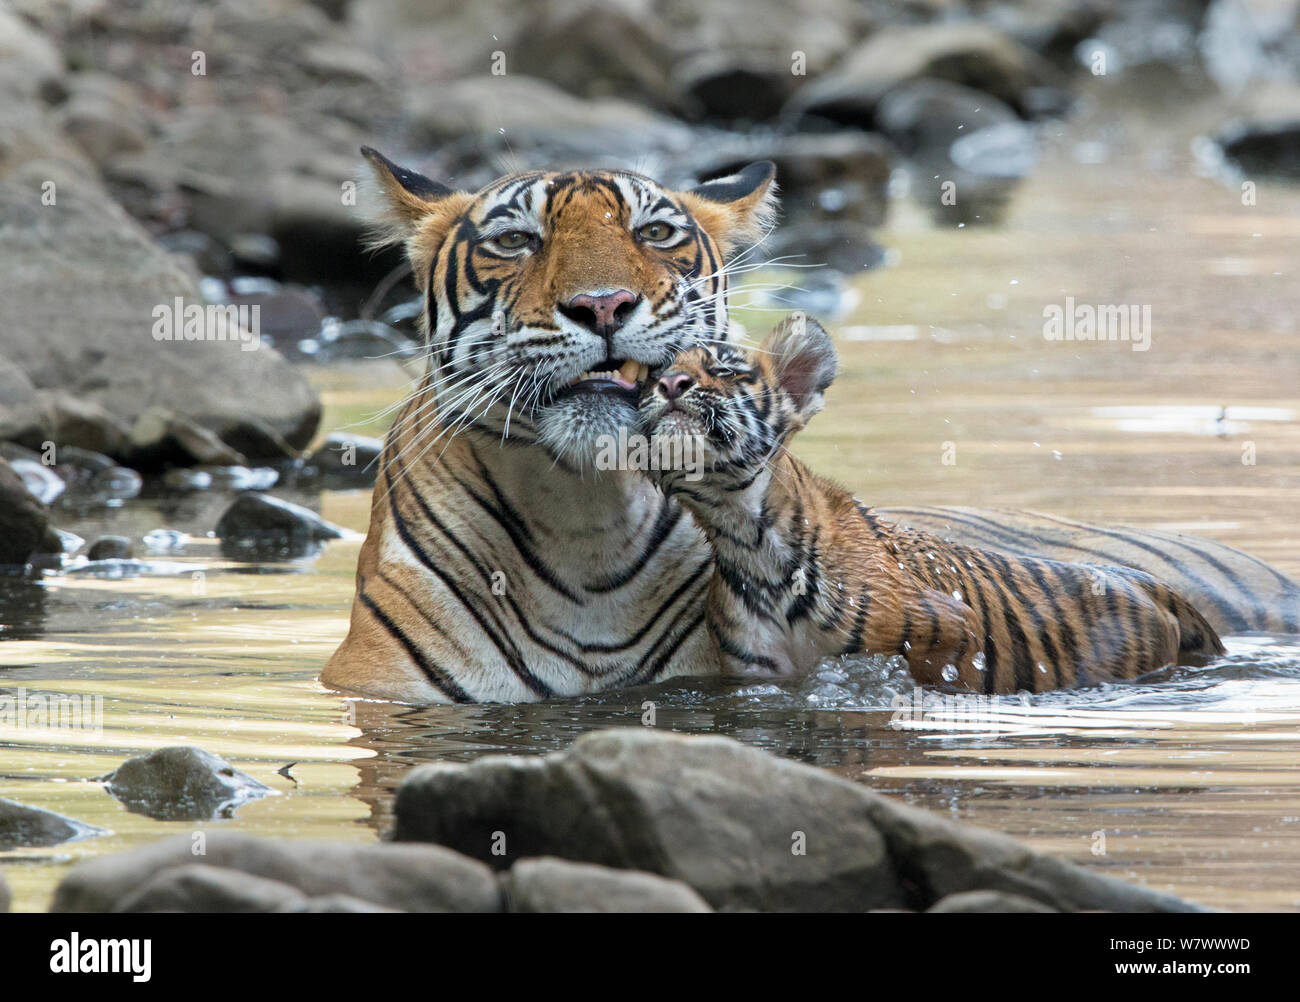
(800, 357)
(738, 209)
(401, 201)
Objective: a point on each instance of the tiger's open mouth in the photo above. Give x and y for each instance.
(624, 378)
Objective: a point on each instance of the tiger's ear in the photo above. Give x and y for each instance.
(401, 202)
(738, 209)
(800, 357)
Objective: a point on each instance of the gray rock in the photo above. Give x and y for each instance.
(713, 813)
(182, 784)
(726, 819)
(404, 877)
(101, 115)
(160, 435)
(346, 457)
(334, 903)
(473, 120)
(111, 548)
(30, 65)
(1264, 148)
(23, 826)
(198, 887)
(941, 857)
(24, 413)
(258, 525)
(24, 523)
(86, 424)
(988, 901)
(41, 482)
(925, 117)
(557, 885)
(964, 52)
(84, 241)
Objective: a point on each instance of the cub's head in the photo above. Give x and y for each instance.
(718, 413)
(551, 299)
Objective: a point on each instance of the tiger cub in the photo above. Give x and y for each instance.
(804, 571)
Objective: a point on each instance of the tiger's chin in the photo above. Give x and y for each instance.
(575, 429)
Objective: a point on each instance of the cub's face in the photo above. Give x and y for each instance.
(728, 410)
(552, 299)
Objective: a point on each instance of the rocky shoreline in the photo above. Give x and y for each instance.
(624, 820)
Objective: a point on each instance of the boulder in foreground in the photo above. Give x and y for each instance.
(746, 830)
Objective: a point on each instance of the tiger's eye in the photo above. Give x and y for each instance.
(513, 240)
(656, 232)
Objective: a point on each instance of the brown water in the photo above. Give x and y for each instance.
(1187, 786)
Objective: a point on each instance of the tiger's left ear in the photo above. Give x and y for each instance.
(800, 356)
(403, 203)
(738, 209)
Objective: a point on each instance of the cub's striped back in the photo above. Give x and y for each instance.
(803, 571)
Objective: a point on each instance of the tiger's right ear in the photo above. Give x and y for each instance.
(405, 201)
(800, 356)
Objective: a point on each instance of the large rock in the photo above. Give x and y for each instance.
(182, 784)
(404, 877)
(474, 121)
(967, 53)
(236, 170)
(24, 414)
(743, 828)
(30, 65)
(79, 286)
(24, 522)
(556, 885)
(712, 813)
(197, 887)
(23, 826)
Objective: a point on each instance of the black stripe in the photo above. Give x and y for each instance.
(437, 678)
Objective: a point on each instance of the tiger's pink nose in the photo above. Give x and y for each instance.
(674, 384)
(602, 315)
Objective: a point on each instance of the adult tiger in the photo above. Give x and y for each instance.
(499, 564)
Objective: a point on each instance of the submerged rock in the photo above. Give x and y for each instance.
(24, 522)
(182, 784)
(22, 826)
(557, 885)
(743, 828)
(111, 548)
(354, 458)
(257, 525)
(416, 878)
(1269, 149)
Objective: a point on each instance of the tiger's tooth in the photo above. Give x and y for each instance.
(629, 371)
(642, 372)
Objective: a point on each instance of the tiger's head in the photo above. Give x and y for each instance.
(552, 299)
(724, 412)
